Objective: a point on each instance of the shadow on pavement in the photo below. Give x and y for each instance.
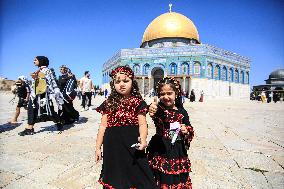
(53, 128)
(8, 127)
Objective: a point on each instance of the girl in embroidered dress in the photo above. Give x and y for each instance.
(167, 151)
(40, 107)
(123, 133)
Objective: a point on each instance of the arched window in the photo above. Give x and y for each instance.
(247, 78)
(231, 75)
(146, 69)
(242, 80)
(173, 68)
(237, 76)
(224, 74)
(136, 69)
(196, 68)
(210, 71)
(217, 72)
(184, 68)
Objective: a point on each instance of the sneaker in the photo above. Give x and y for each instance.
(82, 110)
(87, 109)
(27, 132)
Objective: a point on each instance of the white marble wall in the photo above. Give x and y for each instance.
(213, 89)
(219, 89)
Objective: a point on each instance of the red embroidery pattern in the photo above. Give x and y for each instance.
(109, 186)
(105, 185)
(122, 69)
(163, 123)
(186, 185)
(190, 134)
(127, 113)
(170, 166)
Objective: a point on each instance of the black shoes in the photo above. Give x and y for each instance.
(27, 132)
(59, 126)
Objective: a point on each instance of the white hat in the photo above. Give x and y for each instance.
(22, 77)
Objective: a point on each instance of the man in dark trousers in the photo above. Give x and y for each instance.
(87, 87)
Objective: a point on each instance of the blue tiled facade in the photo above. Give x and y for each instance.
(194, 61)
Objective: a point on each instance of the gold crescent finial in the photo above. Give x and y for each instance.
(170, 5)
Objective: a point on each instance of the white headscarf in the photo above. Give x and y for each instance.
(23, 78)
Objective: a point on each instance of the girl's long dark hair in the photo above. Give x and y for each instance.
(175, 85)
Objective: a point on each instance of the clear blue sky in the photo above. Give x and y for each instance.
(85, 33)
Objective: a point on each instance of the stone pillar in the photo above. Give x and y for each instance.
(183, 87)
(143, 85)
(149, 84)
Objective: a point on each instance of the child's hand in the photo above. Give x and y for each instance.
(183, 129)
(142, 145)
(153, 107)
(98, 155)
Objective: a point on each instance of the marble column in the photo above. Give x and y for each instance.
(183, 83)
(143, 85)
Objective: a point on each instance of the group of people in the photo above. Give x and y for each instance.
(38, 97)
(192, 96)
(128, 161)
(265, 96)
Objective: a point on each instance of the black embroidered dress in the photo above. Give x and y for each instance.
(169, 162)
(124, 167)
(68, 114)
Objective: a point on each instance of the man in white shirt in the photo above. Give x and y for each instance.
(87, 87)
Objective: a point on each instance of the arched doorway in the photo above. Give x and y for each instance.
(158, 74)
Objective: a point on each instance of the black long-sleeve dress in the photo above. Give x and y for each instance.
(124, 167)
(169, 161)
(68, 114)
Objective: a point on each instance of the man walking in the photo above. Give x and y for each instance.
(86, 86)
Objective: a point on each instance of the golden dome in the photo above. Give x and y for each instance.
(170, 24)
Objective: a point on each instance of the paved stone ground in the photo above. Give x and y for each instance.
(237, 144)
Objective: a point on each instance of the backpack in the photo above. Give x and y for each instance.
(40, 85)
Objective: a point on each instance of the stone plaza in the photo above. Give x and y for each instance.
(237, 144)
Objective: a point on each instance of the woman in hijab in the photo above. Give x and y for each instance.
(40, 107)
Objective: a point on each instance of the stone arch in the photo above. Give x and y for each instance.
(210, 70)
(185, 68)
(197, 68)
(136, 69)
(231, 75)
(242, 77)
(173, 68)
(237, 77)
(157, 74)
(146, 69)
(224, 73)
(247, 78)
(217, 72)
